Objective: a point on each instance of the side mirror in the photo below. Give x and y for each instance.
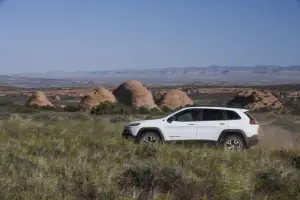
(170, 119)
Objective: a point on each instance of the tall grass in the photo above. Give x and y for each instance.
(88, 160)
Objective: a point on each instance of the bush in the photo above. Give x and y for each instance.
(22, 109)
(165, 109)
(30, 109)
(234, 105)
(70, 109)
(155, 111)
(35, 109)
(6, 102)
(107, 108)
(118, 119)
(143, 110)
(47, 108)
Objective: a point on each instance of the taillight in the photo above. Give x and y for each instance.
(253, 121)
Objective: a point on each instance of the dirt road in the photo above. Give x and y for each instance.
(279, 131)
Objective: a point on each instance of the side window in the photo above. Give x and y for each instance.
(212, 115)
(188, 115)
(231, 115)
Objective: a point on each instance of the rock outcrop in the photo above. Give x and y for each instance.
(132, 93)
(174, 99)
(95, 97)
(39, 99)
(256, 100)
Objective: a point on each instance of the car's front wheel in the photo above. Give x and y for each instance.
(233, 142)
(149, 138)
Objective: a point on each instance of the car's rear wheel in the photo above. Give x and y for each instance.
(150, 138)
(233, 142)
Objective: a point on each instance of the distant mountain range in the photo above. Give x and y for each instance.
(237, 75)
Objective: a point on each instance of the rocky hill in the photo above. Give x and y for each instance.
(255, 75)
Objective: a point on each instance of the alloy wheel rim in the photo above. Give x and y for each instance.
(150, 140)
(233, 145)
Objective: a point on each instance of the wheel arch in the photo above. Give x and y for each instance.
(151, 129)
(236, 132)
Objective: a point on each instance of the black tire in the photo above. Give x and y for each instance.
(233, 142)
(149, 138)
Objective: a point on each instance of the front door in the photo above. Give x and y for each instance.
(183, 125)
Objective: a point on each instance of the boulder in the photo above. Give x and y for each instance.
(132, 93)
(39, 99)
(174, 99)
(95, 97)
(256, 100)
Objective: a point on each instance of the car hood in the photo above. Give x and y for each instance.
(152, 121)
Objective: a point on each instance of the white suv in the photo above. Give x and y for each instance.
(230, 127)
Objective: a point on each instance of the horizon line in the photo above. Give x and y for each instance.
(132, 69)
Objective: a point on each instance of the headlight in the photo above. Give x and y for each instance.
(134, 124)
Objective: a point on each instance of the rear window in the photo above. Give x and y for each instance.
(231, 115)
(250, 116)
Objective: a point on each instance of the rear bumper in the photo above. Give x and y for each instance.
(252, 141)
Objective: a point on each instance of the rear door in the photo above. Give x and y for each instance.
(234, 119)
(211, 124)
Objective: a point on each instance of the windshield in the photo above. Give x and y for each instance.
(171, 112)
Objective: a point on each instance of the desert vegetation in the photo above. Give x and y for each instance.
(88, 159)
(56, 152)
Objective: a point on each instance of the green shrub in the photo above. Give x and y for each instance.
(165, 109)
(6, 102)
(47, 108)
(234, 105)
(30, 109)
(143, 110)
(110, 108)
(155, 110)
(107, 108)
(118, 119)
(70, 109)
(22, 109)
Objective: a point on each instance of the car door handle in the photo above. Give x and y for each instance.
(222, 123)
(191, 124)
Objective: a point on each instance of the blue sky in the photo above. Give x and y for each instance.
(71, 35)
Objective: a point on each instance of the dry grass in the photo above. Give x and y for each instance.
(88, 160)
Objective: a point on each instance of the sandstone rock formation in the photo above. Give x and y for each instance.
(256, 100)
(39, 99)
(157, 94)
(95, 97)
(133, 93)
(174, 99)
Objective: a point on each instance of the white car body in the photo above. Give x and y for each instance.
(202, 130)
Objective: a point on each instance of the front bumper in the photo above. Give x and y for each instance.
(127, 134)
(252, 141)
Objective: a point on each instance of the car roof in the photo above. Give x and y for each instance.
(220, 108)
